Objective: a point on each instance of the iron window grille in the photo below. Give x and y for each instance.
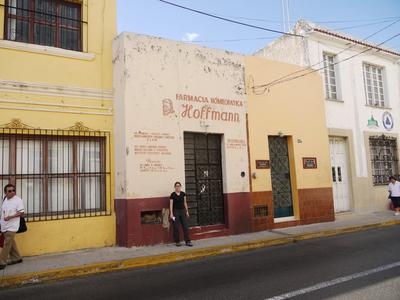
(384, 160)
(59, 174)
(373, 84)
(260, 211)
(56, 23)
(331, 92)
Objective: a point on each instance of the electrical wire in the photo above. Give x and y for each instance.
(363, 25)
(267, 86)
(228, 20)
(318, 63)
(273, 37)
(319, 22)
(233, 40)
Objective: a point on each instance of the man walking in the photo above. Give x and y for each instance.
(11, 211)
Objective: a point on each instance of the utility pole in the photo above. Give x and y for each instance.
(285, 15)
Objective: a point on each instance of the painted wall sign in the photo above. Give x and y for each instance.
(236, 144)
(151, 148)
(372, 123)
(309, 162)
(387, 120)
(203, 108)
(262, 164)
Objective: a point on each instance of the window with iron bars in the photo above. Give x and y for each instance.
(58, 175)
(54, 23)
(373, 82)
(384, 159)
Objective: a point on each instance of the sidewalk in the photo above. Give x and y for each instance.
(53, 267)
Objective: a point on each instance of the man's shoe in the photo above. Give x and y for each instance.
(178, 244)
(189, 244)
(14, 262)
(2, 267)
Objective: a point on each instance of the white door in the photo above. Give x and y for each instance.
(340, 174)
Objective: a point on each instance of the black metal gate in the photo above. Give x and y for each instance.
(280, 176)
(203, 173)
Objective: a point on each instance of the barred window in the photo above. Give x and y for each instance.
(44, 22)
(331, 92)
(58, 176)
(383, 158)
(373, 82)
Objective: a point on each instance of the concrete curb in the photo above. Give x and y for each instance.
(110, 266)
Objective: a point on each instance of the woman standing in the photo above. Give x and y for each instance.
(179, 213)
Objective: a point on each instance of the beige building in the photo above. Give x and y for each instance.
(180, 116)
(186, 113)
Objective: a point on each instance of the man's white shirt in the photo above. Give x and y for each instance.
(10, 207)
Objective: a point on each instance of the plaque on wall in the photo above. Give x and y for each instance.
(309, 162)
(262, 164)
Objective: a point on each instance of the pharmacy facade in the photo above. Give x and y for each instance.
(182, 114)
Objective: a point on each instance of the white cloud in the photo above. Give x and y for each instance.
(190, 36)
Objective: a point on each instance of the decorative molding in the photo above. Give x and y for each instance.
(55, 104)
(79, 112)
(79, 126)
(16, 124)
(47, 50)
(54, 90)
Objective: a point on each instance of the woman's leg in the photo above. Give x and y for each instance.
(185, 227)
(175, 225)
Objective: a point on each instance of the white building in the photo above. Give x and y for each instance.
(362, 91)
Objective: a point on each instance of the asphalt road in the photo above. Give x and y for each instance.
(364, 265)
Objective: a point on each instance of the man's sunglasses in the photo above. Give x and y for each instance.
(10, 191)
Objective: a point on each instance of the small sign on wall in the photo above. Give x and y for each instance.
(309, 162)
(262, 164)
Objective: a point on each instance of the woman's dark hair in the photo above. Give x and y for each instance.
(7, 186)
(392, 177)
(177, 183)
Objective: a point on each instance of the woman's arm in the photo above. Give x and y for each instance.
(171, 207)
(186, 207)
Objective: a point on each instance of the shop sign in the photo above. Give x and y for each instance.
(387, 120)
(309, 162)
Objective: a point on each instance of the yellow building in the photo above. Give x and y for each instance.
(288, 147)
(56, 120)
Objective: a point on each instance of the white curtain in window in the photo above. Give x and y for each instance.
(61, 194)
(4, 156)
(29, 163)
(30, 190)
(60, 189)
(88, 156)
(29, 157)
(12, 23)
(89, 187)
(60, 156)
(89, 192)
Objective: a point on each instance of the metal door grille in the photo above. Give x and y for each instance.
(280, 176)
(203, 174)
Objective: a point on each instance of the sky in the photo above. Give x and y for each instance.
(358, 18)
